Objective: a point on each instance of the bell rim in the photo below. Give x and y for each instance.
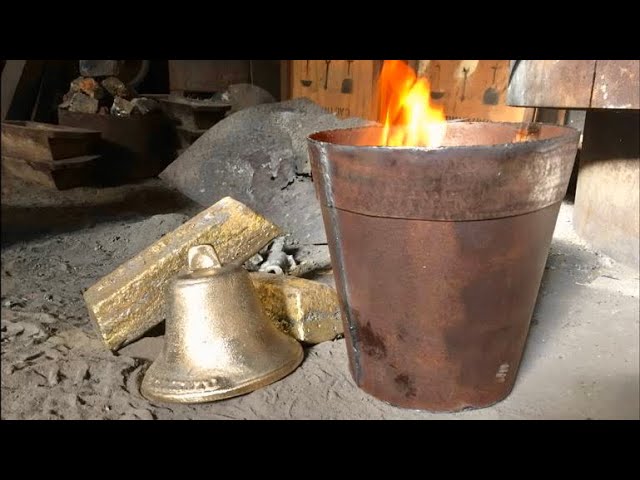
(213, 394)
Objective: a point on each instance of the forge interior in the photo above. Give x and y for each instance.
(102, 159)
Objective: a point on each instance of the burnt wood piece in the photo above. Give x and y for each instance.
(616, 84)
(611, 84)
(43, 142)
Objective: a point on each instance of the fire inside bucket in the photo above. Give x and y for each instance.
(438, 254)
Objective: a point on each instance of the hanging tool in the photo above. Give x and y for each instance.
(436, 93)
(326, 74)
(491, 94)
(307, 81)
(347, 83)
(464, 83)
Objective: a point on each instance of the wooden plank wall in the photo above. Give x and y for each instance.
(308, 78)
(470, 98)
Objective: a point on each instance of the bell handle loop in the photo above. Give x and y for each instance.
(202, 257)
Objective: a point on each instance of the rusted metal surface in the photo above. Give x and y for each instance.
(483, 176)
(551, 83)
(436, 302)
(607, 203)
(617, 84)
(207, 75)
(611, 84)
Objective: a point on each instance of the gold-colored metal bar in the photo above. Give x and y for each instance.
(306, 310)
(131, 299)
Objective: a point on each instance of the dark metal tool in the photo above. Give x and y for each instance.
(491, 94)
(436, 93)
(464, 83)
(307, 81)
(326, 74)
(347, 83)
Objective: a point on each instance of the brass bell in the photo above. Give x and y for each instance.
(218, 341)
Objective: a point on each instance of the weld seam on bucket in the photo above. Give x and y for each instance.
(343, 285)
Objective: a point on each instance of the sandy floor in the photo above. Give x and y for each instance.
(581, 361)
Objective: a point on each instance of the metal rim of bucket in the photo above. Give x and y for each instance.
(321, 138)
(471, 182)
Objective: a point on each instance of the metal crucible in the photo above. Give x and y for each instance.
(438, 254)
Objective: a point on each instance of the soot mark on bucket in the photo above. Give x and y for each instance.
(402, 333)
(405, 385)
(372, 344)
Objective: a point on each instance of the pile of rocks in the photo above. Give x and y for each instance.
(107, 96)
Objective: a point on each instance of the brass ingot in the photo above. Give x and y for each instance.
(218, 341)
(130, 300)
(308, 311)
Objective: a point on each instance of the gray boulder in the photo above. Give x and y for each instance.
(259, 157)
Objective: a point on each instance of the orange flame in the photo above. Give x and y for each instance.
(406, 110)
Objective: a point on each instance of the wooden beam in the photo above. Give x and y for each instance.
(20, 86)
(285, 79)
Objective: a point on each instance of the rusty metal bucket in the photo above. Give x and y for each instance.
(438, 254)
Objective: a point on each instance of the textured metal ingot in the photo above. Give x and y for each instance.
(130, 300)
(218, 341)
(306, 310)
